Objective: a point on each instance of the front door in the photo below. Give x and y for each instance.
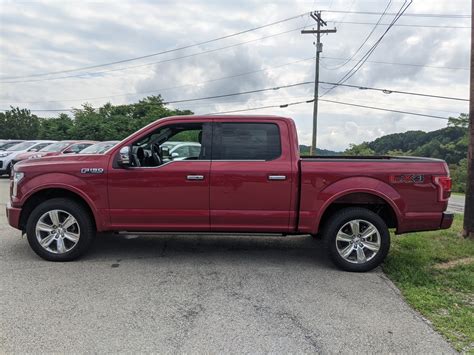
(164, 191)
(251, 177)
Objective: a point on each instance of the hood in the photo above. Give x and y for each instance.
(62, 163)
(26, 155)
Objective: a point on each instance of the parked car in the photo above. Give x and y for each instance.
(8, 156)
(99, 148)
(8, 143)
(248, 177)
(62, 147)
(182, 150)
(32, 151)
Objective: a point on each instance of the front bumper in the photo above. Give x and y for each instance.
(13, 216)
(446, 220)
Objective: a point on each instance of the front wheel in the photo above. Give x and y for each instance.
(60, 229)
(357, 239)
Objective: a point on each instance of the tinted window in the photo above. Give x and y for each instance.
(247, 141)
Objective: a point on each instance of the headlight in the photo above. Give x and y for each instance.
(17, 176)
(5, 154)
(36, 156)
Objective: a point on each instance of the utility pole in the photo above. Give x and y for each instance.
(316, 15)
(469, 206)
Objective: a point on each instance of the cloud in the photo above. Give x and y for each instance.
(44, 36)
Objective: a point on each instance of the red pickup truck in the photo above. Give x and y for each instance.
(246, 176)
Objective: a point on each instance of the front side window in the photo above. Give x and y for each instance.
(246, 141)
(169, 143)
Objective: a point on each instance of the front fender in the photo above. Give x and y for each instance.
(91, 189)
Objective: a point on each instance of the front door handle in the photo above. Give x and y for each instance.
(195, 177)
(276, 177)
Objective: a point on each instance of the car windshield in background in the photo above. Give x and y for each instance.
(21, 146)
(56, 147)
(98, 148)
(5, 146)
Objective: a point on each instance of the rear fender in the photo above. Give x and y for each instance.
(359, 185)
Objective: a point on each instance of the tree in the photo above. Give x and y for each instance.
(359, 149)
(461, 121)
(18, 123)
(56, 128)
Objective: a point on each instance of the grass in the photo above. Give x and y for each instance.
(458, 193)
(435, 273)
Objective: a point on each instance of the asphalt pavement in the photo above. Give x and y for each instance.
(200, 294)
(456, 203)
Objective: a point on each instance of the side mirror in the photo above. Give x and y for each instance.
(124, 157)
(68, 151)
(174, 155)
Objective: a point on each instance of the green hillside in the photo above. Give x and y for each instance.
(304, 150)
(449, 144)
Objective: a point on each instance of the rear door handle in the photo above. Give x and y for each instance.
(276, 177)
(195, 177)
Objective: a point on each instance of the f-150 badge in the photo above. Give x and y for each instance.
(92, 171)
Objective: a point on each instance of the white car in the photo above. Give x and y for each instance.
(9, 154)
(182, 150)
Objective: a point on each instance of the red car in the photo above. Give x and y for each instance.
(62, 147)
(247, 177)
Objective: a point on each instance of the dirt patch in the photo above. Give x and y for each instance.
(454, 263)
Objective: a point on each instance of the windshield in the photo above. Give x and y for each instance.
(21, 146)
(98, 148)
(56, 147)
(7, 145)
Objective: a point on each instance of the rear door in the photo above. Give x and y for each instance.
(251, 177)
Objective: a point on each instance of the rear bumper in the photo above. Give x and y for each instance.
(13, 216)
(446, 220)
(424, 221)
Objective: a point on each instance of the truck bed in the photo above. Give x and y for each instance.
(369, 157)
(406, 181)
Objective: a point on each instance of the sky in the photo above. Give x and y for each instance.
(38, 37)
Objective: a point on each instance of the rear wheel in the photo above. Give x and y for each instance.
(357, 239)
(60, 230)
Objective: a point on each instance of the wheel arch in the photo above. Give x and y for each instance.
(372, 194)
(39, 196)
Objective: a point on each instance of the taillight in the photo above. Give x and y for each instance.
(444, 184)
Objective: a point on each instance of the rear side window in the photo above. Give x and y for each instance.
(246, 141)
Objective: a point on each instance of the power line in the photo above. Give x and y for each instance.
(383, 109)
(202, 98)
(157, 62)
(352, 71)
(330, 101)
(403, 64)
(409, 14)
(291, 104)
(397, 24)
(159, 90)
(390, 91)
(366, 38)
(162, 52)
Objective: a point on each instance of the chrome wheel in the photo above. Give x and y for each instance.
(57, 231)
(358, 241)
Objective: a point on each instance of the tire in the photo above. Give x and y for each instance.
(9, 169)
(63, 238)
(356, 239)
